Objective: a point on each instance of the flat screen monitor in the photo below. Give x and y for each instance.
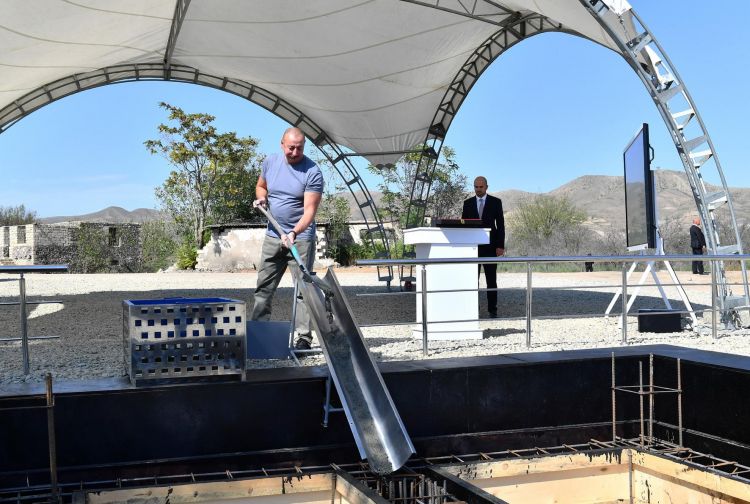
(640, 220)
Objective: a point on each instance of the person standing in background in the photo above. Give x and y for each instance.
(698, 244)
(490, 209)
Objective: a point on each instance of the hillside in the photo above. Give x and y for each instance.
(113, 214)
(600, 197)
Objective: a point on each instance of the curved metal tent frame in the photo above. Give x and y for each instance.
(689, 133)
(269, 101)
(384, 94)
(641, 51)
(502, 40)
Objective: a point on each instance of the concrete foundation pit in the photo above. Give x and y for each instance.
(651, 424)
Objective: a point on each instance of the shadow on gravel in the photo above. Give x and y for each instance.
(401, 307)
(90, 326)
(493, 333)
(99, 314)
(557, 302)
(375, 341)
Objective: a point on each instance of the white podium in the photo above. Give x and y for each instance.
(448, 243)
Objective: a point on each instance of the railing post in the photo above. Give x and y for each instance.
(614, 402)
(679, 400)
(51, 442)
(528, 304)
(24, 330)
(714, 332)
(424, 309)
(624, 304)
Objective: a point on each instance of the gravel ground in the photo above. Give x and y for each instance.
(570, 307)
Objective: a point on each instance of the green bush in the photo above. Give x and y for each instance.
(91, 250)
(347, 254)
(187, 256)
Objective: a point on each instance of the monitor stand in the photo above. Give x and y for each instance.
(651, 268)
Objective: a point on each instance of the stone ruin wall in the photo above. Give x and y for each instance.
(121, 245)
(17, 244)
(128, 252)
(54, 243)
(58, 244)
(230, 248)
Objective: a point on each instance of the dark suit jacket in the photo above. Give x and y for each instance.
(697, 239)
(492, 217)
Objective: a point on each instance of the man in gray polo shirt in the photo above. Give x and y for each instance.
(290, 186)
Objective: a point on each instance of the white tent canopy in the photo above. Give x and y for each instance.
(371, 74)
(376, 77)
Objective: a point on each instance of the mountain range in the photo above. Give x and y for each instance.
(113, 214)
(600, 197)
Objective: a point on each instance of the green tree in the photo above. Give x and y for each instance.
(447, 191)
(160, 241)
(334, 208)
(16, 215)
(334, 211)
(547, 225)
(207, 167)
(235, 193)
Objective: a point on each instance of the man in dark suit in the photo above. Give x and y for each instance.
(698, 244)
(490, 210)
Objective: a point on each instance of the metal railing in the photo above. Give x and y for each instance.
(729, 315)
(23, 302)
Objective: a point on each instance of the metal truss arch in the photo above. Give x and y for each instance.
(34, 100)
(647, 58)
(180, 10)
(517, 29)
(640, 49)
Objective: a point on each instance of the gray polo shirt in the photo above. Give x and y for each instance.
(287, 185)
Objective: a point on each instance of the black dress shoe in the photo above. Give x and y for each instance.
(493, 314)
(302, 344)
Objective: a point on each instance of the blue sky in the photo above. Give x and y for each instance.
(551, 109)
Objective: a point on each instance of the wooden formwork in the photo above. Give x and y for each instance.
(626, 475)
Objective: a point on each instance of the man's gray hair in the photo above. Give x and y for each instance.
(293, 131)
